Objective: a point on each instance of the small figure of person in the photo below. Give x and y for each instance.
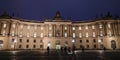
(83, 48)
(48, 49)
(69, 49)
(61, 49)
(65, 49)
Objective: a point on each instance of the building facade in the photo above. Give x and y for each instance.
(57, 33)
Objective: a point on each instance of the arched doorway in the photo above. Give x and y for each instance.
(1, 44)
(58, 46)
(113, 44)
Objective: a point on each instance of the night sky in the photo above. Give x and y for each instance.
(70, 9)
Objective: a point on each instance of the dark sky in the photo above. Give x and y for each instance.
(74, 9)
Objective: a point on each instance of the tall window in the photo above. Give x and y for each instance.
(93, 34)
(50, 34)
(80, 28)
(20, 46)
(13, 34)
(80, 35)
(41, 35)
(4, 25)
(80, 41)
(34, 46)
(100, 25)
(28, 35)
(65, 34)
(34, 40)
(13, 25)
(93, 27)
(65, 27)
(86, 27)
(109, 25)
(101, 33)
(41, 27)
(87, 41)
(35, 35)
(73, 28)
(20, 40)
(27, 46)
(50, 27)
(94, 40)
(20, 35)
(87, 34)
(27, 41)
(73, 35)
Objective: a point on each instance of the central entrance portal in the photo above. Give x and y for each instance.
(1, 44)
(58, 46)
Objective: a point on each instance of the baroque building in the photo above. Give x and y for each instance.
(56, 33)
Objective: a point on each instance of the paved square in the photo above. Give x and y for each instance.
(58, 55)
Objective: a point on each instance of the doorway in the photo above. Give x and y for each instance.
(113, 44)
(58, 46)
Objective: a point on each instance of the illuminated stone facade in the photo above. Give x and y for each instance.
(57, 33)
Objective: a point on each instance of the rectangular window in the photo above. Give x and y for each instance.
(41, 46)
(65, 27)
(73, 28)
(80, 41)
(28, 35)
(93, 27)
(34, 41)
(20, 40)
(27, 41)
(65, 34)
(20, 46)
(13, 25)
(87, 41)
(50, 34)
(27, 46)
(73, 35)
(87, 46)
(41, 35)
(93, 34)
(80, 35)
(100, 25)
(94, 40)
(86, 27)
(80, 28)
(101, 33)
(109, 25)
(4, 25)
(41, 41)
(41, 27)
(34, 46)
(86, 34)
(35, 35)
(94, 46)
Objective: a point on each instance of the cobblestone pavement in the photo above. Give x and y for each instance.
(58, 55)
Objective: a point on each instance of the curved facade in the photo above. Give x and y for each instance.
(57, 33)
